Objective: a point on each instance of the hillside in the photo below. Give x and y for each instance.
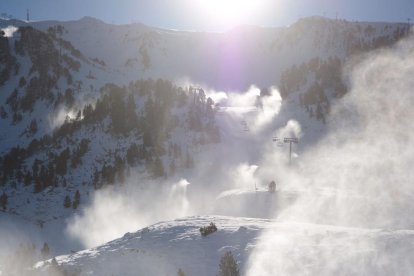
(226, 61)
(232, 60)
(260, 247)
(106, 129)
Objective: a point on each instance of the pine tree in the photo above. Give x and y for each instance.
(310, 112)
(158, 167)
(22, 82)
(38, 187)
(61, 162)
(27, 179)
(172, 167)
(3, 201)
(79, 115)
(319, 114)
(33, 126)
(76, 200)
(67, 202)
(45, 250)
(228, 265)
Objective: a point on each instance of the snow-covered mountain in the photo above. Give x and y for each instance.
(88, 107)
(232, 60)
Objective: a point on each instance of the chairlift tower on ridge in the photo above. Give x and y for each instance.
(288, 140)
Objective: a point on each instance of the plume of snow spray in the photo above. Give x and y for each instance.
(360, 175)
(114, 212)
(9, 31)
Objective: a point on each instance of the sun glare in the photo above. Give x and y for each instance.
(230, 13)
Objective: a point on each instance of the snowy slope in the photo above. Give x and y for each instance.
(245, 156)
(291, 249)
(232, 60)
(85, 81)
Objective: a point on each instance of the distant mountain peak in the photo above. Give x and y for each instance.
(90, 19)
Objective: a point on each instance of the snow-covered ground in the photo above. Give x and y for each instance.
(336, 207)
(232, 60)
(260, 246)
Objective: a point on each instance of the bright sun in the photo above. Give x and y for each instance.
(230, 12)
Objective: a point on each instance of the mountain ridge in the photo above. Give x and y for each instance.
(111, 99)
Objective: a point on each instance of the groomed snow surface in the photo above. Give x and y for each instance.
(260, 246)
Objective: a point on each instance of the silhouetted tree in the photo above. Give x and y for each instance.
(272, 186)
(228, 265)
(38, 186)
(132, 154)
(209, 106)
(3, 201)
(33, 126)
(87, 111)
(67, 203)
(45, 250)
(311, 112)
(22, 82)
(319, 113)
(76, 200)
(172, 167)
(207, 230)
(61, 162)
(158, 167)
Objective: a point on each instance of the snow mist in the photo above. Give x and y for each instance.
(124, 208)
(141, 202)
(9, 31)
(359, 178)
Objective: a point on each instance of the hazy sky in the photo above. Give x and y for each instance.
(212, 15)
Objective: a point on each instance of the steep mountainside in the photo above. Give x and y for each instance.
(66, 132)
(85, 105)
(57, 111)
(232, 60)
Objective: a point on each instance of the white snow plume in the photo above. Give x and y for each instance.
(217, 96)
(360, 175)
(9, 31)
(242, 177)
(262, 109)
(178, 197)
(276, 150)
(130, 207)
(18, 252)
(269, 107)
(292, 130)
(244, 99)
(57, 118)
(127, 208)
